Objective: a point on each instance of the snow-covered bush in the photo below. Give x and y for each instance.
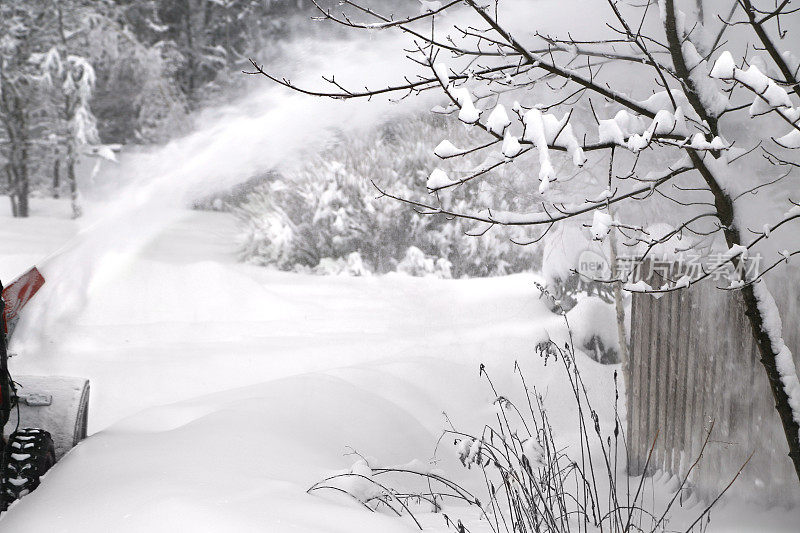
(573, 287)
(594, 328)
(352, 265)
(416, 263)
(329, 209)
(569, 263)
(566, 279)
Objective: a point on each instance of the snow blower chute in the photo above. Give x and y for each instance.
(42, 417)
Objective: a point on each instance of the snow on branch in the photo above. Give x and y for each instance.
(769, 96)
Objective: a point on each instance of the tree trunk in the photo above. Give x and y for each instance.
(74, 194)
(11, 195)
(769, 342)
(23, 184)
(22, 199)
(191, 58)
(70, 154)
(16, 128)
(57, 176)
(19, 190)
(18, 178)
(769, 359)
(768, 339)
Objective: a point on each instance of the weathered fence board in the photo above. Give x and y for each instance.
(693, 363)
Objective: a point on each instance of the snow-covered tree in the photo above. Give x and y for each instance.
(136, 96)
(205, 39)
(18, 97)
(694, 108)
(47, 88)
(70, 80)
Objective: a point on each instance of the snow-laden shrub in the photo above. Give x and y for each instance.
(564, 248)
(416, 263)
(594, 329)
(352, 265)
(330, 208)
(571, 289)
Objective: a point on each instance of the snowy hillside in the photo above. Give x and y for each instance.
(221, 392)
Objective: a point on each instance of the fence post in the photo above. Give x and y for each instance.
(678, 372)
(639, 378)
(662, 353)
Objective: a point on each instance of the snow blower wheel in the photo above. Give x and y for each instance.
(29, 454)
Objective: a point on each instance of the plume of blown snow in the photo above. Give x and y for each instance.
(272, 128)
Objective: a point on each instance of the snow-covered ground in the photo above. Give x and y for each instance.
(221, 391)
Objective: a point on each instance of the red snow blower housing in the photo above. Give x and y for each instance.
(41, 417)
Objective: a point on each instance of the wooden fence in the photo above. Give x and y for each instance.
(693, 361)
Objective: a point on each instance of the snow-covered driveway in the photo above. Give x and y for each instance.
(183, 320)
(221, 391)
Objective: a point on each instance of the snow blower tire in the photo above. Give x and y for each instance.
(29, 453)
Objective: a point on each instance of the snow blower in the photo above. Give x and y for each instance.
(42, 417)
